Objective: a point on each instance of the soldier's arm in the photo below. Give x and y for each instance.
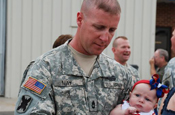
(36, 94)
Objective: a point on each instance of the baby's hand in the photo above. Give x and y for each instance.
(118, 111)
(130, 111)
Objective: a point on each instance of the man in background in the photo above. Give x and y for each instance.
(122, 51)
(160, 59)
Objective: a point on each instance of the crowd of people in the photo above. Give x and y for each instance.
(77, 78)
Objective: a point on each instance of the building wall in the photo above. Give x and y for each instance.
(165, 15)
(33, 26)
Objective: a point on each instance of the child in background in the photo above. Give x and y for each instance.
(143, 97)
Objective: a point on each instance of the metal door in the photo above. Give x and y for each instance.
(163, 39)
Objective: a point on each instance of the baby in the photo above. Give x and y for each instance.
(143, 97)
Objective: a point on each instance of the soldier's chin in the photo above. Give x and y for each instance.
(97, 52)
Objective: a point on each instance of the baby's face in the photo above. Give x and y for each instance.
(142, 98)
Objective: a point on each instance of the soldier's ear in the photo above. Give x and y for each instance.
(113, 49)
(79, 18)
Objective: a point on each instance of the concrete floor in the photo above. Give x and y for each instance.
(7, 113)
(7, 106)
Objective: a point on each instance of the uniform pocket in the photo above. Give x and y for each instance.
(114, 90)
(108, 90)
(112, 84)
(69, 93)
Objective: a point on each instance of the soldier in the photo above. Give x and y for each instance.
(121, 50)
(169, 75)
(169, 80)
(77, 78)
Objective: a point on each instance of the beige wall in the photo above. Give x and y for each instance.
(33, 25)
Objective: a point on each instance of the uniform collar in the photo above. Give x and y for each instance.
(71, 67)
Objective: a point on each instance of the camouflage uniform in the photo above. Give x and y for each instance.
(169, 75)
(134, 72)
(67, 90)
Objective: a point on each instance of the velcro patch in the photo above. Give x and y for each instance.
(34, 85)
(24, 103)
(92, 104)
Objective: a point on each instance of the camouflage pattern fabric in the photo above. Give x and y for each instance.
(134, 73)
(169, 75)
(69, 91)
(160, 72)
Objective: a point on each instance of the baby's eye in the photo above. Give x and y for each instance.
(147, 99)
(137, 95)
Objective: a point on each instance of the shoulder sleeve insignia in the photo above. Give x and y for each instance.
(24, 103)
(34, 85)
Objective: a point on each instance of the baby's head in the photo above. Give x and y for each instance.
(145, 94)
